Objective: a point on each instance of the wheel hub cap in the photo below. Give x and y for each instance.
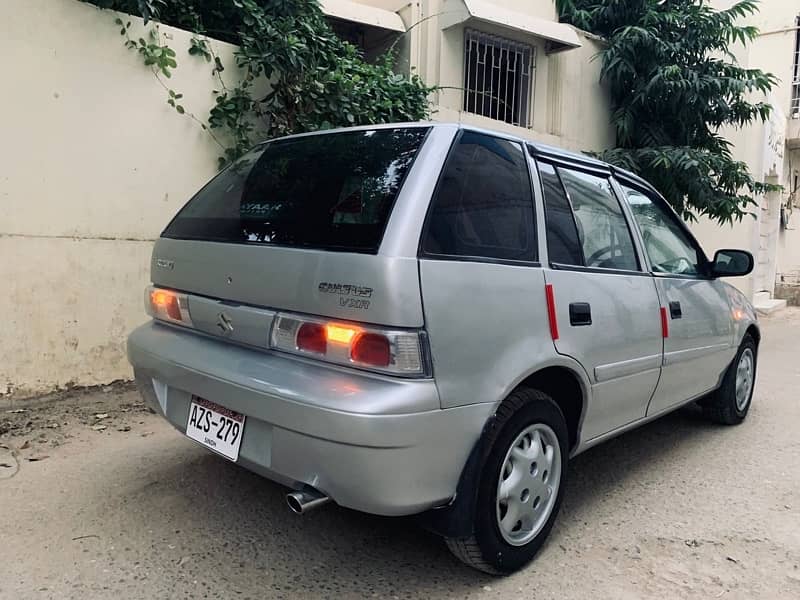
(745, 372)
(528, 484)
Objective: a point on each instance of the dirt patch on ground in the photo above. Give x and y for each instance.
(30, 431)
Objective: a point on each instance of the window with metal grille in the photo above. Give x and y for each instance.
(794, 110)
(498, 77)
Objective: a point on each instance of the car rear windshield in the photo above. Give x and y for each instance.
(328, 191)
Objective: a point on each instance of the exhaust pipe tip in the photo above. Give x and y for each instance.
(293, 501)
(301, 502)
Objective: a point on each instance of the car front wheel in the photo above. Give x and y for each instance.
(729, 404)
(521, 485)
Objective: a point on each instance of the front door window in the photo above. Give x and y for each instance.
(668, 247)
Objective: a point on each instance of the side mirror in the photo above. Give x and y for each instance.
(731, 263)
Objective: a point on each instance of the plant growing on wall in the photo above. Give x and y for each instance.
(674, 83)
(316, 80)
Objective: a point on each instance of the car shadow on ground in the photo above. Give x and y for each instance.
(635, 457)
(246, 533)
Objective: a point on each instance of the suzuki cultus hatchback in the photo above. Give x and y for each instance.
(432, 319)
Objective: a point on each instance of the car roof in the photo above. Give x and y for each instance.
(538, 149)
(554, 152)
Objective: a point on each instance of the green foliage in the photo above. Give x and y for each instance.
(674, 83)
(161, 58)
(199, 47)
(149, 8)
(316, 80)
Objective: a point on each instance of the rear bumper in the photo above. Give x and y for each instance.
(371, 443)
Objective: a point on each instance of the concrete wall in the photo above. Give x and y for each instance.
(94, 165)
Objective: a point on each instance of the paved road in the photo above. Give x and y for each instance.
(678, 509)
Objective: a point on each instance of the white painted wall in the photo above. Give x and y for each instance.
(94, 165)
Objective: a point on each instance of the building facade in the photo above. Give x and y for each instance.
(500, 64)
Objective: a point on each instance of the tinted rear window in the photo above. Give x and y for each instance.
(331, 191)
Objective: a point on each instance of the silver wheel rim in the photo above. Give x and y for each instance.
(528, 484)
(745, 372)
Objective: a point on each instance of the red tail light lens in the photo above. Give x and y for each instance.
(311, 337)
(167, 305)
(371, 349)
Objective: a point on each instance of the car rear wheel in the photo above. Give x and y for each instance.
(729, 404)
(521, 485)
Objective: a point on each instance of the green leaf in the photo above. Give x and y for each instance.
(180, 109)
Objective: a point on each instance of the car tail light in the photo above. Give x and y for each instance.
(371, 349)
(395, 352)
(167, 305)
(311, 337)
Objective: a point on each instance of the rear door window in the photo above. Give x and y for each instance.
(327, 191)
(483, 207)
(602, 228)
(563, 245)
(584, 220)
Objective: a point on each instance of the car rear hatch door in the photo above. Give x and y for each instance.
(295, 225)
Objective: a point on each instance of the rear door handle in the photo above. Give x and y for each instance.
(675, 310)
(580, 313)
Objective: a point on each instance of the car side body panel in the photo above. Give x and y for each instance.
(620, 349)
(487, 325)
(700, 343)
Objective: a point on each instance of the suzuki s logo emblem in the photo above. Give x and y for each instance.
(224, 324)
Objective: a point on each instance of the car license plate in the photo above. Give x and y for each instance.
(215, 427)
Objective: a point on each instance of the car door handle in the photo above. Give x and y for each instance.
(580, 313)
(675, 310)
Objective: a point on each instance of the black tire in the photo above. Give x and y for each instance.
(486, 549)
(721, 406)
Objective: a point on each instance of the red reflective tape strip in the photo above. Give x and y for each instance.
(551, 310)
(664, 323)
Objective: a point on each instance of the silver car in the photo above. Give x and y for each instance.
(432, 319)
